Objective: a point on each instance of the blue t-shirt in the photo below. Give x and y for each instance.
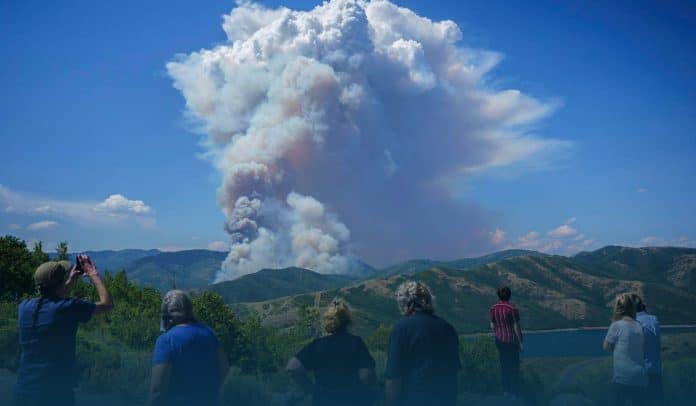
(651, 345)
(192, 350)
(424, 354)
(47, 357)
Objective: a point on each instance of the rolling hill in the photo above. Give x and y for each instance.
(418, 265)
(189, 269)
(551, 291)
(115, 260)
(269, 284)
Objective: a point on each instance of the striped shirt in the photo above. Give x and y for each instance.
(504, 315)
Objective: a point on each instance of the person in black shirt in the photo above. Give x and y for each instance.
(343, 368)
(423, 356)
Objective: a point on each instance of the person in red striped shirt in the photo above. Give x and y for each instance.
(505, 323)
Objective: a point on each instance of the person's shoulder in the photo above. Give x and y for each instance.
(204, 328)
(29, 302)
(444, 323)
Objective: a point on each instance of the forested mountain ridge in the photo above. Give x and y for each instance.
(551, 291)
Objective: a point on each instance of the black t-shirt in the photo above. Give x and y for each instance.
(424, 354)
(335, 360)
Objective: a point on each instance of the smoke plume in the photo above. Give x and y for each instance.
(355, 116)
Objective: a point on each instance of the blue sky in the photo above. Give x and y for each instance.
(88, 111)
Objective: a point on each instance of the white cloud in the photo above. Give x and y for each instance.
(113, 210)
(118, 204)
(42, 225)
(642, 190)
(218, 246)
(498, 236)
(352, 95)
(564, 240)
(14, 227)
(563, 231)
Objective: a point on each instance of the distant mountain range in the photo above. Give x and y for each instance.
(268, 284)
(551, 291)
(189, 269)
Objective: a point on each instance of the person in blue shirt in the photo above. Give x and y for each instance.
(342, 367)
(47, 371)
(651, 348)
(188, 364)
(423, 355)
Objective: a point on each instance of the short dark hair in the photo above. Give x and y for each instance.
(504, 293)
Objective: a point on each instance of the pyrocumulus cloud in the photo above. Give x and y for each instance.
(341, 130)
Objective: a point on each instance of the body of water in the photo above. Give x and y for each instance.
(576, 343)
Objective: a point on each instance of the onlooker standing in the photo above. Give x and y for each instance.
(625, 340)
(505, 323)
(651, 347)
(188, 364)
(342, 366)
(47, 328)
(423, 356)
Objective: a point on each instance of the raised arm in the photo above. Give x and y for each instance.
(104, 304)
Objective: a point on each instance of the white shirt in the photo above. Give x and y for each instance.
(629, 363)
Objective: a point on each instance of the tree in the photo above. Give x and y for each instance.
(379, 339)
(16, 269)
(211, 309)
(38, 256)
(62, 251)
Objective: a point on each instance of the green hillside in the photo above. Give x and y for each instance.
(269, 284)
(418, 265)
(190, 269)
(115, 260)
(551, 291)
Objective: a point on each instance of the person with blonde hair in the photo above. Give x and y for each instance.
(423, 355)
(342, 366)
(47, 332)
(625, 341)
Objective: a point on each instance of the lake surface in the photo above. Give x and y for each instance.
(576, 343)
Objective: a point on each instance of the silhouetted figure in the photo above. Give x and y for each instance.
(188, 364)
(652, 351)
(47, 372)
(343, 368)
(505, 323)
(625, 340)
(423, 356)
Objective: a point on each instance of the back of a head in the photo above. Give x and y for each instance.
(177, 308)
(50, 275)
(414, 297)
(638, 303)
(624, 307)
(504, 293)
(337, 317)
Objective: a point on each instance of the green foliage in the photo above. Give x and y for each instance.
(241, 389)
(210, 309)
(480, 366)
(379, 339)
(9, 336)
(62, 251)
(17, 267)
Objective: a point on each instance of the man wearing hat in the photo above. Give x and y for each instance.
(47, 371)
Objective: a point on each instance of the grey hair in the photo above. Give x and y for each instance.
(177, 308)
(414, 297)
